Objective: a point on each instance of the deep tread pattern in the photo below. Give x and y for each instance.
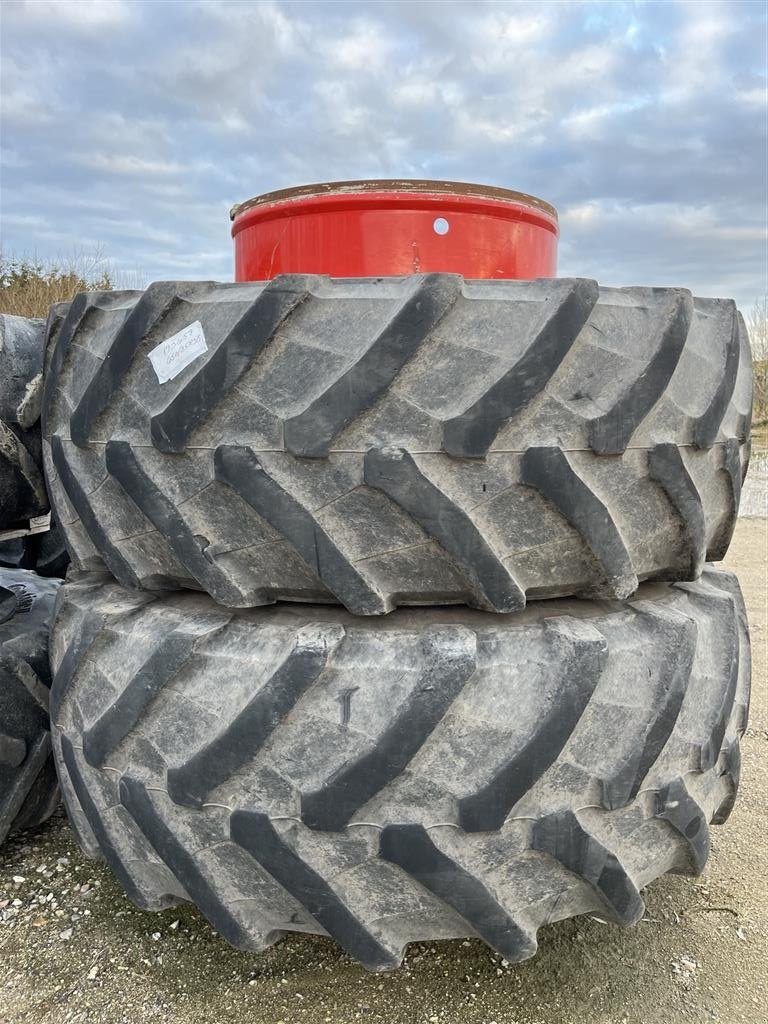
(135, 798)
(676, 805)
(28, 786)
(115, 562)
(611, 433)
(172, 427)
(169, 657)
(471, 434)
(162, 513)
(254, 831)
(410, 847)
(241, 470)
(154, 305)
(312, 432)
(668, 469)
(22, 487)
(677, 636)
(584, 651)
(70, 661)
(448, 655)
(729, 643)
(563, 837)
(434, 774)
(33, 796)
(396, 441)
(92, 813)
(549, 471)
(735, 474)
(707, 425)
(395, 472)
(250, 729)
(732, 774)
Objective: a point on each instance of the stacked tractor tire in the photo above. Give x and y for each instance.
(28, 788)
(390, 614)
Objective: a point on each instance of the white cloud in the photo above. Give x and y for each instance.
(756, 97)
(342, 115)
(24, 108)
(694, 65)
(130, 165)
(239, 19)
(703, 222)
(24, 221)
(189, 263)
(115, 227)
(596, 121)
(80, 15)
(498, 38)
(582, 215)
(29, 90)
(11, 158)
(416, 91)
(708, 224)
(31, 194)
(366, 48)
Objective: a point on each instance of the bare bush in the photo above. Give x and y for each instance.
(29, 286)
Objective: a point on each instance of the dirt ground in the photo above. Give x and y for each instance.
(73, 949)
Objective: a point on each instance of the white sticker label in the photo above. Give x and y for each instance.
(171, 356)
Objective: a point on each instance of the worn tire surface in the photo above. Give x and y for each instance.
(29, 791)
(379, 442)
(22, 486)
(434, 774)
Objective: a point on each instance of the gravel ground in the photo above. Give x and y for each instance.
(74, 949)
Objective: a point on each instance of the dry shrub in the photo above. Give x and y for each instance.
(28, 286)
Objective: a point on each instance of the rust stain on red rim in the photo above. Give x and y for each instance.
(395, 227)
(398, 186)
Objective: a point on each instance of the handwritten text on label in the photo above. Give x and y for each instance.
(171, 356)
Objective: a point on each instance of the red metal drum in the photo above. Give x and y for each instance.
(383, 228)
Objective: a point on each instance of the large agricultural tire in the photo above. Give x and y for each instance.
(433, 774)
(29, 789)
(22, 485)
(384, 442)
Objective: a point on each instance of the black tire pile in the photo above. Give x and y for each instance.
(529, 705)
(23, 494)
(29, 791)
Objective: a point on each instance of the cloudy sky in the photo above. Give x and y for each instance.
(135, 126)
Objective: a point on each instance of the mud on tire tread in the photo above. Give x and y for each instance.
(29, 790)
(384, 442)
(434, 774)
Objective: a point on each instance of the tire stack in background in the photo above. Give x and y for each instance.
(529, 706)
(28, 787)
(22, 487)
(23, 494)
(29, 791)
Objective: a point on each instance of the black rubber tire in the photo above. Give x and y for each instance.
(380, 442)
(43, 553)
(434, 774)
(22, 486)
(29, 789)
